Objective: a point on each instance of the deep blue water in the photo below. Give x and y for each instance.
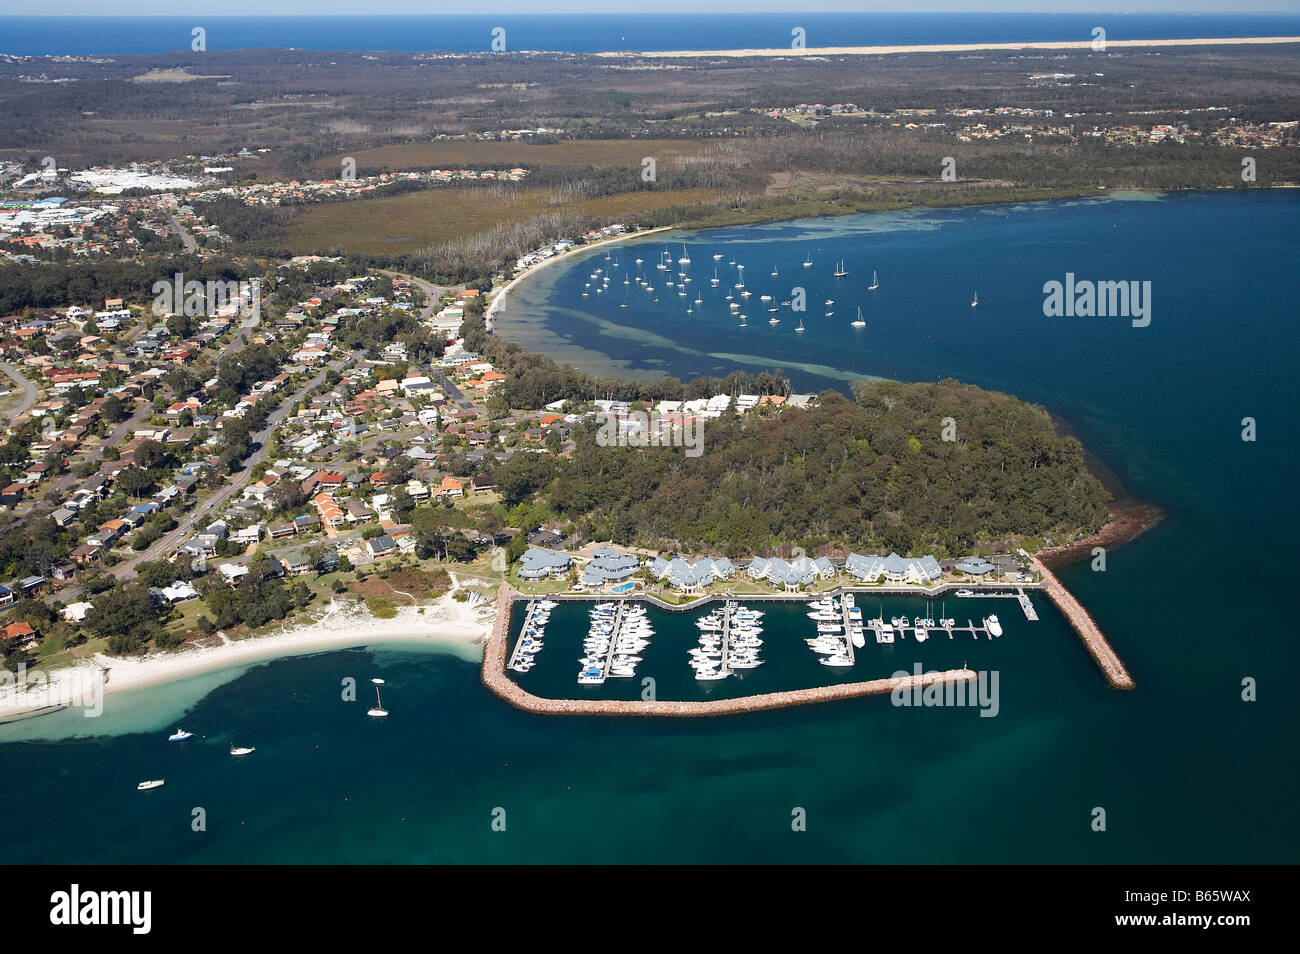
(1186, 770)
(583, 33)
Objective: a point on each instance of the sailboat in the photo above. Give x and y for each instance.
(859, 323)
(875, 282)
(714, 280)
(840, 270)
(807, 262)
(800, 328)
(685, 259)
(378, 710)
(774, 271)
(975, 300)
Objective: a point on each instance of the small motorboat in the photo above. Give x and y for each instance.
(242, 750)
(153, 783)
(180, 735)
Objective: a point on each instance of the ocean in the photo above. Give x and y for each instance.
(1186, 771)
(585, 33)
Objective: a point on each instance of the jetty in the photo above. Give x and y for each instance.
(523, 630)
(727, 609)
(1087, 629)
(1025, 604)
(846, 604)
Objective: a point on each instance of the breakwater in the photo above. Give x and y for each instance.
(1087, 629)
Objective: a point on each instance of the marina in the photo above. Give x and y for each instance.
(494, 678)
(768, 644)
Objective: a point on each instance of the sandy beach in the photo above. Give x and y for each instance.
(339, 626)
(1078, 45)
(498, 299)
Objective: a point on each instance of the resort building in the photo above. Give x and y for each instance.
(691, 578)
(893, 569)
(608, 566)
(974, 566)
(538, 564)
(791, 574)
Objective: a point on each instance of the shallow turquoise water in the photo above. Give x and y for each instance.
(1186, 771)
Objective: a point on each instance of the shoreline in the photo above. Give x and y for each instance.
(338, 627)
(1076, 45)
(499, 295)
(1126, 522)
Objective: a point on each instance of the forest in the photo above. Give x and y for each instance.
(872, 472)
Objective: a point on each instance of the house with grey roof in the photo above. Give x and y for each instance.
(893, 569)
(974, 566)
(690, 577)
(538, 564)
(608, 566)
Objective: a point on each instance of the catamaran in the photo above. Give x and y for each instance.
(859, 323)
(875, 282)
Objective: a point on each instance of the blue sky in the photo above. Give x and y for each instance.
(344, 7)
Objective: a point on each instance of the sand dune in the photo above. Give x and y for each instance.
(1078, 45)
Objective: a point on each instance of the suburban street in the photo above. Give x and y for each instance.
(169, 541)
(29, 390)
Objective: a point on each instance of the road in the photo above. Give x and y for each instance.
(186, 237)
(431, 292)
(236, 482)
(29, 390)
